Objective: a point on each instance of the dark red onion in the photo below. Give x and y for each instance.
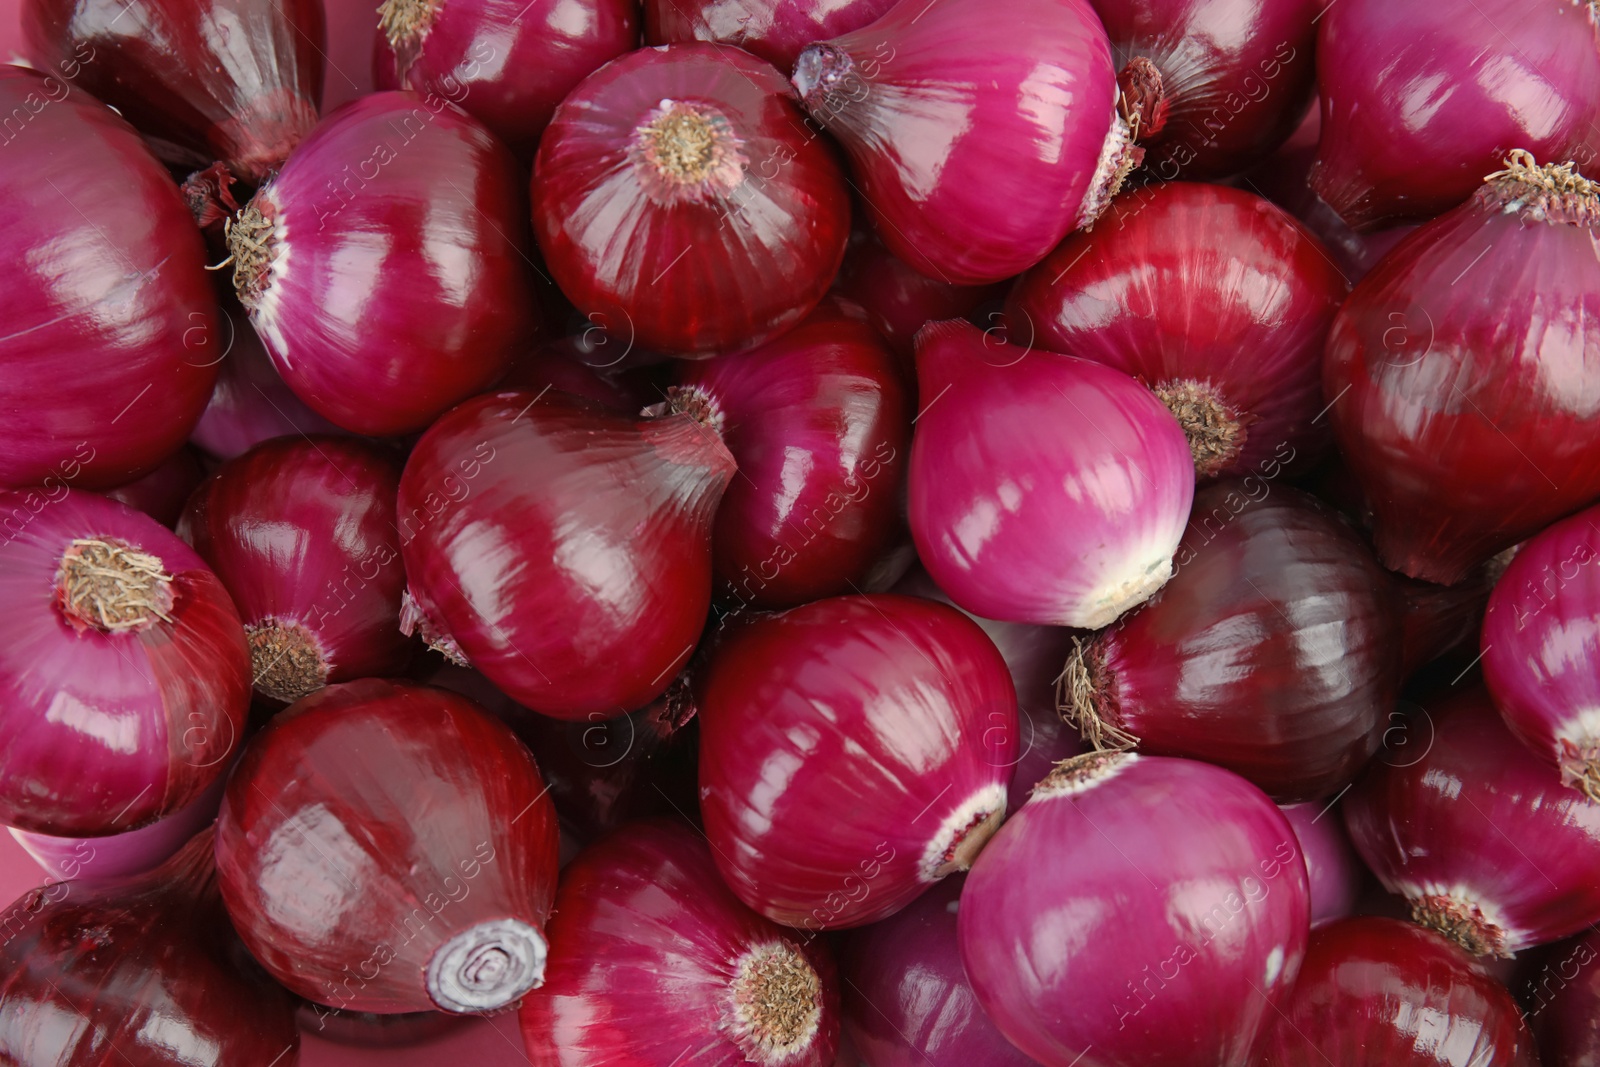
(140, 970)
(389, 847)
(853, 752)
(907, 1001)
(107, 307)
(978, 141)
(681, 202)
(205, 80)
(1458, 378)
(124, 675)
(1420, 102)
(162, 493)
(302, 532)
(385, 266)
(561, 549)
(1568, 1022)
(564, 365)
(1063, 511)
(1333, 869)
(1215, 299)
(1477, 834)
(775, 30)
(507, 63)
(1164, 900)
(1436, 619)
(1375, 990)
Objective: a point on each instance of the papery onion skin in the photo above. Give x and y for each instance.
(507, 63)
(977, 142)
(1478, 834)
(645, 952)
(852, 752)
(1463, 374)
(820, 425)
(1377, 990)
(775, 30)
(230, 80)
(386, 265)
(1043, 488)
(1420, 102)
(564, 550)
(682, 203)
(107, 305)
(138, 970)
(374, 825)
(106, 730)
(162, 493)
(1165, 900)
(1211, 296)
(907, 1001)
(1568, 1023)
(302, 532)
(1334, 872)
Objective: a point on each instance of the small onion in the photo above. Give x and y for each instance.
(775, 30)
(1478, 835)
(162, 493)
(1335, 874)
(654, 963)
(852, 752)
(1568, 1023)
(1437, 619)
(1043, 488)
(1138, 912)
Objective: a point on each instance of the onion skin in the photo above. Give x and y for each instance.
(107, 731)
(766, 219)
(1420, 102)
(1376, 990)
(1540, 642)
(1568, 1024)
(408, 189)
(230, 80)
(162, 493)
(1165, 899)
(564, 364)
(1333, 869)
(1478, 835)
(1206, 285)
(907, 1001)
(993, 499)
(820, 425)
(109, 280)
(1436, 619)
(775, 30)
(507, 63)
(302, 532)
(645, 947)
(1471, 412)
(977, 142)
(368, 826)
(893, 720)
(565, 551)
(140, 970)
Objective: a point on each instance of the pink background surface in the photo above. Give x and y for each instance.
(481, 1042)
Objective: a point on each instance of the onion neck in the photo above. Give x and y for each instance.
(1580, 766)
(827, 80)
(1082, 773)
(955, 845)
(250, 236)
(1142, 99)
(683, 440)
(286, 659)
(1119, 157)
(1553, 193)
(486, 967)
(687, 153)
(110, 586)
(1215, 428)
(1084, 698)
(777, 1003)
(415, 620)
(1461, 922)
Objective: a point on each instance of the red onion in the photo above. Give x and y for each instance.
(1164, 900)
(1460, 387)
(907, 1001)
(1334, 870)
(1375, 990)
(564, 365)
(389, 847)
(301, 530)
(653, 962)
(1273, 651)
(852, 752)
(1419, 102)
(1043, 488)
(205, 80)
(106, 307)
(162, 493)
(136, 971)
(1214, 298)
(561, 549)
(1436, 619)
(1235, 77)
(820, 426)
(374, 1030)
(688, 148)
(775, 30)
(1568, 1023)
(124, 676)
(1478, 835)
(408, 191)
(978, 141)
(507, 63)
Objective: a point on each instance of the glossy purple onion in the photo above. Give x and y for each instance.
(1566, 1013)
(1334, 871)
(775, 30)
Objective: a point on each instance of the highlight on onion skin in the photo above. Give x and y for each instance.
(894, 721)
(652, 959)
(1565, 1013)
(1477, 833)
(388, 847)
(1461, 391)
(775, 30)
